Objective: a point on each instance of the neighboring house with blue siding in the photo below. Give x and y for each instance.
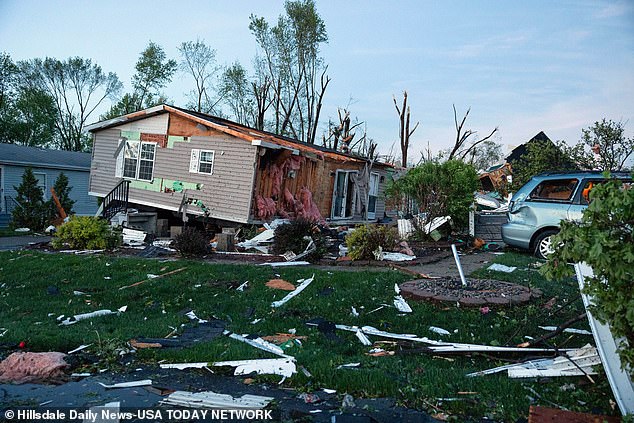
(46, 166)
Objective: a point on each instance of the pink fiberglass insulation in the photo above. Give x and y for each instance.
(28, 367)
(277, 171)
(266, 207)
(310, 210)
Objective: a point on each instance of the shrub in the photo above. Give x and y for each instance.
(604, 239)
(62, 190)
(191, 243)
(86, 232)
(290, 237)
(30, 211)
(437, 189)
(366, 239)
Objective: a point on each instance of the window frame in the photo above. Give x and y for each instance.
(195, 161)
(139, 159)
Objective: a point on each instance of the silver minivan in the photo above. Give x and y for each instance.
(536, 209)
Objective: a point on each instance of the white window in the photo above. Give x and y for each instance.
(138, 160)
(41, 182)
(201, 161)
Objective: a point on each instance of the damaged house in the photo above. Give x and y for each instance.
(169, 163)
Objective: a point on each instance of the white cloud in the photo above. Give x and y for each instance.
(615, 9)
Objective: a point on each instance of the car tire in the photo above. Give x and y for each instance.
(543, 244)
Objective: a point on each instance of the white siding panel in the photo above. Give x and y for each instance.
(151, 125)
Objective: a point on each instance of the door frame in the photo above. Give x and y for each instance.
(371, 215)
(344, 198)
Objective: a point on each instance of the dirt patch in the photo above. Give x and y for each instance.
(478, 292)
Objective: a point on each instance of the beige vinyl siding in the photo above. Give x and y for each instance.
(226, 193)
(102, 167)
(151, 125)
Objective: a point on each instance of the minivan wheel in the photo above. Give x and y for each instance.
(543, 244)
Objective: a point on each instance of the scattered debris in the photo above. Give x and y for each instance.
(354, 311)
(156, 276)
(211, 399)
(577, 362)
(183, 366)
(79, 348)
(285, 263)
(133, 237)
(258, 343)
(29, 367)
(364, 339)
(401, 305)
(282, 338)
(259, 242)
(348, 401)
(440, 347)
(502, 268)
(132, 384)
(243, 286)
(568, 330)
(349, 366)
(389, 256)
(439, 331)
(303, 283)
(107, 413)
(192, 316)
(76, 318)
(22, 230)
(280, 284)
(309, 398)
(273, 366)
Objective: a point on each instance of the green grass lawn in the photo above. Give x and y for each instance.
(28, 313)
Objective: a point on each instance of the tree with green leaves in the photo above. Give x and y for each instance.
(290, 60)
(437, 189)
(62, 190)
(27, 114)
(153, 72)
(77, 86)
(603, 146)
(198, 60)
(541, 156)
(604, 239)
(485, 155)
(30, 211)
(237, 94)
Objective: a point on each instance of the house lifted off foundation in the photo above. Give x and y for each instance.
(176, 162)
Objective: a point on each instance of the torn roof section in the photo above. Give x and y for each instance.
(254, 136)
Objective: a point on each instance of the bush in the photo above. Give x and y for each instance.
(366, 239)
(191, 243)
(604, 239)
(31, 212)
(437, 189)
(86, 232)
(290, 237)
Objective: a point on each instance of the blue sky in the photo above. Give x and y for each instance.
(521, 66)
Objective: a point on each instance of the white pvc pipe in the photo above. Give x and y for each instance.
(455, 256)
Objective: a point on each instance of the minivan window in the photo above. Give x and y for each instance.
(554, 190)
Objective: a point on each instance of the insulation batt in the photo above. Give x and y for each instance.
(28, 367)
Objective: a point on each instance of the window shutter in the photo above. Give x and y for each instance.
(118, 170)
(193, 161)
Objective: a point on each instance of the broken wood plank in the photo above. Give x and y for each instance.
(156, 277)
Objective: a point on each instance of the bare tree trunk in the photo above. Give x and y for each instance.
(404, 125)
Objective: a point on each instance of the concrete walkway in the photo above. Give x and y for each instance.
(17, 242)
